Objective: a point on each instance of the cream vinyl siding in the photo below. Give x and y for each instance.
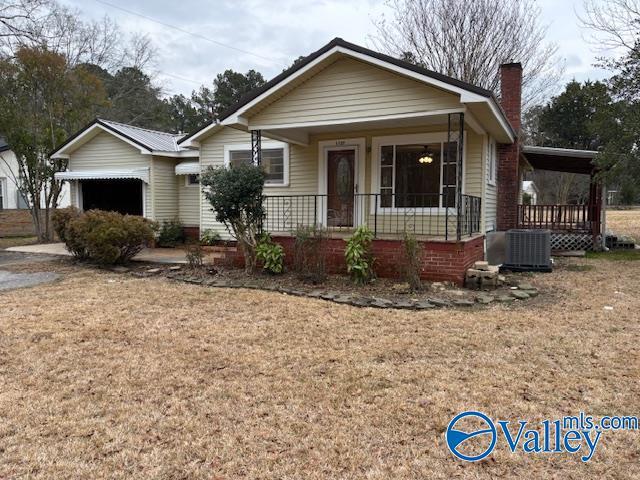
(490, 199)
(303, 167)
(106, 152)
(348, 89)
(188, 202)
(164, 189)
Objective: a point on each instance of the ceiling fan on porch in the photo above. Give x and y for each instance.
(426, 157)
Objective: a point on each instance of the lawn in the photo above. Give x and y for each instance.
(6, 242)
(106, 375)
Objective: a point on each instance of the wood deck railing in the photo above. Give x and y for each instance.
(565, 218)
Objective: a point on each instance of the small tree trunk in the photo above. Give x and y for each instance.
(249, 258)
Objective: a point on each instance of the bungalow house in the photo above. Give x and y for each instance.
(347, 137)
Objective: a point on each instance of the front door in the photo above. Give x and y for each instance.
(340, 187)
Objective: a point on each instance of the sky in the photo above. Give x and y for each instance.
(267, 35)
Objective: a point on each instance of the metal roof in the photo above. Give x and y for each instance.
(153, 140)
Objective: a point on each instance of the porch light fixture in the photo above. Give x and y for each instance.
(426, 157)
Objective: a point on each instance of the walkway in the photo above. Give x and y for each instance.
(152, 255)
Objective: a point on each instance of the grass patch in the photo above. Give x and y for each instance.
(616, 255)
(6, 242)
(580, 268)
(244, 384)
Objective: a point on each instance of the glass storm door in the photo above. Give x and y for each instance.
(340, 187)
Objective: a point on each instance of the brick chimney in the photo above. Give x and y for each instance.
(509, 154)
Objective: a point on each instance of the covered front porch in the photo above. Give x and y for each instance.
(421, 176)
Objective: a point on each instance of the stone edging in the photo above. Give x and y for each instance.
(522, 292)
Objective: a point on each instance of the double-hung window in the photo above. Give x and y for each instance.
(418, 175)
(275, 160)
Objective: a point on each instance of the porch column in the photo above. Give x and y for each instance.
(256, 147)
(594, 209)
(455, 135)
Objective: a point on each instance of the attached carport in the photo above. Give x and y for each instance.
(582, 225)
(120, 191)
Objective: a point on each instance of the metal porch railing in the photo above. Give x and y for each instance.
(423, 214)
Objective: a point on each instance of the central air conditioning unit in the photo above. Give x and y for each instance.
(528, 251)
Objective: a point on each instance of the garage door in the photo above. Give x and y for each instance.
(122, 195)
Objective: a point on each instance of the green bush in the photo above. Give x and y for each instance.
(359, 257)
(171, 234)
(61, 219)
(309, 253)
(209, 237)
(235, 195)
(104, 237)
(270, 254)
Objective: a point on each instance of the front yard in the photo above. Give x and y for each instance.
(106, 375)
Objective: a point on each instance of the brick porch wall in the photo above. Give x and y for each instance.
(16, 223)
(191, 233)
(441, 261)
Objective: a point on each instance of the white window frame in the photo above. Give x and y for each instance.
(265, 145)
(191, 185)
(412, 139)
(492, 161)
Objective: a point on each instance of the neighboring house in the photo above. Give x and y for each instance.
(531, 190)
(347, 137)
(10, 198)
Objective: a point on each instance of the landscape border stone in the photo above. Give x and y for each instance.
(355, 300)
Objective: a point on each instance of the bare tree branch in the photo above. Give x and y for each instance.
(469, 39)
(614, 24)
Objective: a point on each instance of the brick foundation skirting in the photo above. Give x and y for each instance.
(16, 223)
(191, 233)
(441, 261)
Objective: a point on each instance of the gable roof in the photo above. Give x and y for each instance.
(443, 81)
(147, 140)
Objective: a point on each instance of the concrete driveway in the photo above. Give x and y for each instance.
(152, 255)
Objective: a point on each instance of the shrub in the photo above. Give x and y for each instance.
(194, 256)
(309, 254)
(411, 265)
(235, 195)
(359, 257)
(171, 233)
(104, 237)
(61, 219)
(270, 254)
(209, 237)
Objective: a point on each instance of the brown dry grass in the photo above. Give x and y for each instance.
(624, 222)
(6, 242)
(107, 376)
